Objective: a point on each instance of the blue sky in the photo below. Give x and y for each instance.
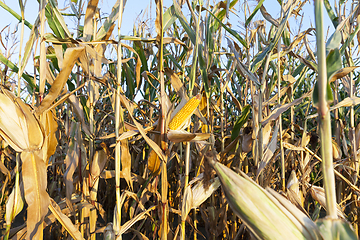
(138, 10)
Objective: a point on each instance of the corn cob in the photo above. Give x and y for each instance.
(184, 113)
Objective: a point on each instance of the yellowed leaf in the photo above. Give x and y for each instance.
(14, 203)
(126, 162)
(71, 162)
(98, 163)
(151, 143)
(276, 113)
(70, 57)
(177, 84)
(89, 19)
(79, 111)
(97, 166)
(289, 78)
(64, 220)
(341, 73)
(34, 176)
(59, 55)
(50, 127)
(18, 126)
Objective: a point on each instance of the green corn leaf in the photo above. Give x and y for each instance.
(332, 16)
(254, 12)
(329, 94)
(245, 113)
(334, 229)
(232, 32)
(333, 62)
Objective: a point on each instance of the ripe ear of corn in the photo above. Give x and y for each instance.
(185, 113)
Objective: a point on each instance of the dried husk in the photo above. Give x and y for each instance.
(18, 126)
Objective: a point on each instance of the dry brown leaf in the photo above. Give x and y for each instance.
(79, 111)
(342, 73)
(126, 162)
(158, 25)
(307, 63)
(70, 57)
(184, 136)
(268, 17)
(89, 20)
(337, 153)
(196, 194)
(180, 136)
(71, 162)
(289, 78)
(97, 166)
(97, 59)
(132, 221)
(64, 220)
(310, 52)
(292, 147)
(276, 113)
(151, 143)
(269, 151)
(50, 127)
(357, 136)
(274, 99)
(318, 193)
(246, 142)
(98, 163)
(347, 102)
(34, 177)
(106, 174)
(177, 84)
(266, 134)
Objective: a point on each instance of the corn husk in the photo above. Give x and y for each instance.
(266, 213)
(18, 126)
(318, 193)
(196, 194)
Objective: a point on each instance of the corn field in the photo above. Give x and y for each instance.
(191, 127)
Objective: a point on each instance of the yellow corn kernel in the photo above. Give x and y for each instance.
(184, 113)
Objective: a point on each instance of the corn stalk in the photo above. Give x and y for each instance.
(118, 114)
(324, 115)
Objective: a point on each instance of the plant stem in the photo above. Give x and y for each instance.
(280, 119)
(117, 122)
(42, 50)
(324, 116)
